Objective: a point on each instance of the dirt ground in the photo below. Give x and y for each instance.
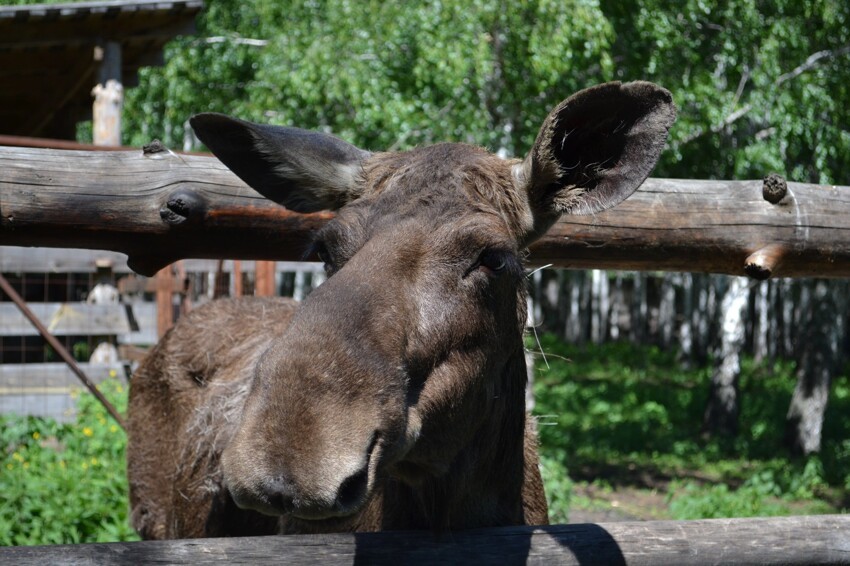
(592, 504)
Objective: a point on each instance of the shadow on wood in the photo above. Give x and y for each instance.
(780, 540)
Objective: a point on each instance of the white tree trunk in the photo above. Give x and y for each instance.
(760, 332)
(721, 413)
(667, 308)
(821, 335)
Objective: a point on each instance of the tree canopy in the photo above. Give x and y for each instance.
(761, 86)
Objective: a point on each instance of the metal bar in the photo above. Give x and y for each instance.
(60, 349)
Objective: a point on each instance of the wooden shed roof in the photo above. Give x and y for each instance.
(48, 52)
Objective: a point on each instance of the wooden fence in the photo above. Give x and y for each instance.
(786, 540)
(158, 207)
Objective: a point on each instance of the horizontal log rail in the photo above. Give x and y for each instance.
(157, 207)
(786, 540)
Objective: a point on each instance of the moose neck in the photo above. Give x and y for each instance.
(483, 486)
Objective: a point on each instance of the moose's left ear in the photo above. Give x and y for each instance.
(595, 149)
(302, 170)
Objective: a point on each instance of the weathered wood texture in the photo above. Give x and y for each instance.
(161, 207)
(58, 377)
(788, 540)
(68, 260)
(66, 319)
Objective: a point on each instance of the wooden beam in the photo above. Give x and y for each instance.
(158, 207)
(59, 349)
(15, 377)
(782, 540)
(108, 95)
(164, 300)
(236, 274)
(264, 279)
(66, 319)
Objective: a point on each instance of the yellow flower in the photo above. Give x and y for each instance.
(18, 457)
(87, 431)
(112, 373)
(36, 435)
(26, 465)
(84, 466)
(94, 461)
(119, 389)
(113, 428)
(10, 466)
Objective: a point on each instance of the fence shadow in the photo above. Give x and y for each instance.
(581, 544)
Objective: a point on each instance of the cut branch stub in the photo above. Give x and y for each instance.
(774, 189)
(183, 206)
(764, 263)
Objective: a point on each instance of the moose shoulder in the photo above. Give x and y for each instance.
(393, 396)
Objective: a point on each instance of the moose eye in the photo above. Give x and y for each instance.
(493, 262)
(321, 251)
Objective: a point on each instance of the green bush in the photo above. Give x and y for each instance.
(689, 500)
(65, 483)
(557, 484)
(624, 414)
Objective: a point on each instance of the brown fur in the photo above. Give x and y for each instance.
(393, 397)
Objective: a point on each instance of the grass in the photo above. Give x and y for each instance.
(65, 483)
(629, 417)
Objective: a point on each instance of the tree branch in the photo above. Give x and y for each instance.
(812, 61)
(235, 40)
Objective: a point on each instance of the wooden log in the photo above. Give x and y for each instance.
(59, 349)
(66, 319)
(786, 540)
(17, 378)
(108, 95)
(158, 207)
(164, 300)
(264, 279)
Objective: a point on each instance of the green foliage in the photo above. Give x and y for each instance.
(694, 501)
(625, 413)
(766, 493)
(557, 484)
(65, 483)
(26, 2)
(760, 86)
(379, 74)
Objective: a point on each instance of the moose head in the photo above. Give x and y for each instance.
(405, 370)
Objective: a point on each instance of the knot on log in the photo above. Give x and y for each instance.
(762, 264)
(774, 189)
(183, 206)
(155, 146)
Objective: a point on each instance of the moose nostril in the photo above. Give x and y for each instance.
(352, 490)
(279, 496)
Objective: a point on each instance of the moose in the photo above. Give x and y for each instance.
(393, 396)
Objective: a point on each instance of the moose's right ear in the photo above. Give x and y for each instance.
(302, 170)
(594, 149)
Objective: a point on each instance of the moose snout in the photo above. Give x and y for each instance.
(282, 497)
(336, 487)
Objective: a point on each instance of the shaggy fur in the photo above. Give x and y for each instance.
(393, 397)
